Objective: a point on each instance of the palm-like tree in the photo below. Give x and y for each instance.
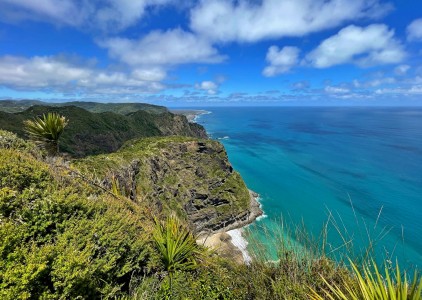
(46, 131)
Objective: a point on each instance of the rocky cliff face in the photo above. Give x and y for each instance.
(189, 176)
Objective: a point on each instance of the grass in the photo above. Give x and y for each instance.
(372, 285)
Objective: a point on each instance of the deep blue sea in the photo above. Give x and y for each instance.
(306, 162)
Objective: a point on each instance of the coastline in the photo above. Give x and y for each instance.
(228, 242)
(191, 114)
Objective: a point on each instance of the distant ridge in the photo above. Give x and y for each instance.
(13, 106)
(90, 133)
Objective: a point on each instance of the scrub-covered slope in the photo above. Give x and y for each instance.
(93, 133)
(96, 107)
(61, 237)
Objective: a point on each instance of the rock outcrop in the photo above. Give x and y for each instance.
(188, 176)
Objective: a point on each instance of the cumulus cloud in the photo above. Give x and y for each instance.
(59, 74)
(170, 47)
(365, 46)
(209, 86)
(414, 30)
(250, 21)
(280, 60)
(104, 15)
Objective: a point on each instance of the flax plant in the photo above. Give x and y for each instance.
(176, 245)
(46, 130)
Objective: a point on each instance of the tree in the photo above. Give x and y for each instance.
(45, 131)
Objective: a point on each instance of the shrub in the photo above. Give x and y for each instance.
(57, 241)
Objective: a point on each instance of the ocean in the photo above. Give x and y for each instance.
(361, 165)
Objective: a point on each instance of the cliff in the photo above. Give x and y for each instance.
(185, 175)
(91, 133)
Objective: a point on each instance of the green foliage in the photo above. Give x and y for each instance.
(13, 106)
(46, 131)
(372, 285)
(91, 133)
(58, 241)
(176, 245)
(9, 140)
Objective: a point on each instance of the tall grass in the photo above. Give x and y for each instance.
(372, 285)
(290, 262)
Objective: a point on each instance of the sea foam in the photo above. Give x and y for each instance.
(241, 243)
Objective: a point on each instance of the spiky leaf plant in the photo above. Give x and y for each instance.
(372, 285)
(46, 131)
(176, 245)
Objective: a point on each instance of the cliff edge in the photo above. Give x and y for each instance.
(189, 176)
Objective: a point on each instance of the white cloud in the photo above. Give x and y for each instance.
(374, 82)
(108, 15)
(209, 86)
(280, 60)
(414, 30)
(401, 70)
(241, 20)
(62, 11)
(365, 46)
(170, 47)
(336, 90)
(413, 90)
(62, 75)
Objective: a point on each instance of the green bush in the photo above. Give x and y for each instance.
(58, 241)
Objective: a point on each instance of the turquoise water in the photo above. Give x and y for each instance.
(307, 162)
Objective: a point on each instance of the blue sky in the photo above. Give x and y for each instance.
(213, 52)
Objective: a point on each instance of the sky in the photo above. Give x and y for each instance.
(213, 52)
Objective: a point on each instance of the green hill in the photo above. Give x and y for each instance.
(93, 133)
(13, 106)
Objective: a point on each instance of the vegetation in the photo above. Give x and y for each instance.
(95, 133)
(14, 106)
(46, 131)
(173, 175)
(371, 285)
(176, 244)
(63, 236)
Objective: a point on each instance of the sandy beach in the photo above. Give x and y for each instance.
(230, 243)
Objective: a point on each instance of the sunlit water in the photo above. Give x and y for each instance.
(307, 162)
